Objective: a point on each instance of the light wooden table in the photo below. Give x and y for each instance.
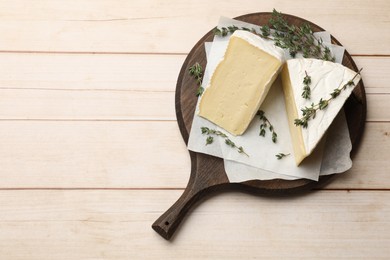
(91, 154)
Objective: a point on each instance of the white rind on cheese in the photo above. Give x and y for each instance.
(265, 45)
(325, 77)
(240, 82)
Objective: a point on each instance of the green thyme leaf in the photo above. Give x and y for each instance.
(310, 112)
(281, 155)
(197, 72)
(306, 86)
(295, 39)
(265, 123)
(210, 139)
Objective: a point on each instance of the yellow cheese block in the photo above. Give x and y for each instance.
(240, 83)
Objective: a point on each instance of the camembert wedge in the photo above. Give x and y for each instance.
(325, 78)
(241, 81)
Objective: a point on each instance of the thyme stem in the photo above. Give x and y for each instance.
(197, 72)
(210, 139)
(281, 155)
(266, 124)
(296, 39)
(310, 112)
(306, 87)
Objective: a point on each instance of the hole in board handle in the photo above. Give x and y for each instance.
(166, 223)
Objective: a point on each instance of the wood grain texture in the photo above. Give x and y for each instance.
(153, 26)
(376, 80)
(92, 154)
(133, 72)
(32, 104)
(114, 224)
(123, 154)
(123, 51)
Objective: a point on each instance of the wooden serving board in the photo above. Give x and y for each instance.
(207, 172)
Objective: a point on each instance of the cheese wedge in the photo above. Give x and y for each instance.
(325, 77)
(241, 81)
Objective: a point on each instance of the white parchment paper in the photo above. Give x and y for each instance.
(262, 163)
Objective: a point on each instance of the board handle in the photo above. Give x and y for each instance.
(168, 222)
(207, 175)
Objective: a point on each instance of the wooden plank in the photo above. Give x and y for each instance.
(129, 72)
(92, 154)
(121, 154)
(116, 225)
(30, 104)
(90, 71)
(378, 107)
(154, 27)
(375, 73)
(370, 161)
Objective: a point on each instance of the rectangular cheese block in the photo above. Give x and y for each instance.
(241, 82)
(325, 78)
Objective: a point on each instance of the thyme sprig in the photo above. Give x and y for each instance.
(224, 31)
(306, 86)
(266, 124)
(210, 139)
(310, 112)
(281, 155)
(196, 71)
(296, 39)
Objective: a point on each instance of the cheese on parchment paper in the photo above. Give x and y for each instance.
(241, 81)
(325, 76)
